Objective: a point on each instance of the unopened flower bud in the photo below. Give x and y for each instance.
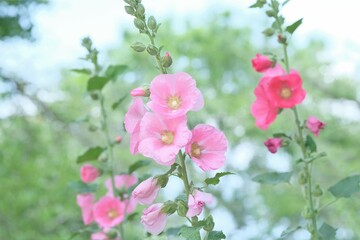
(140, 9)
(270, 13)
(93, 128)
(268, 32)
(282, 39)
(112, 234)
(306, 213)
(139, 24)
(138, 92)
(169, 207)
(262, 1)
(152, 23)
(118, 139)
(310, 227)
(209, 224)
(318, 192)
(130, 10)
(182, 208)
(152, 50)
(138, 47)
(94, 96)
(167, 60)
(302, 178)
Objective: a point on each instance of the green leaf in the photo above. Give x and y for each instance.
(173, 231)
(82, 71)
(96, 83)
(115, 70)
(258, 4)
(81, 187)
(310, 144)
(90, 155)
(215, 180)
(216, 235)
(346, 187)
(139, 164)
(291, 28)
(287, 232)
(285, 2)
(190, 233)
(327, 232)
(132, 216)
(118, 102)
(273, 178)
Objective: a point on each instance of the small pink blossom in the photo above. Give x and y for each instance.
(173, 95)
(109, 212)
(273, 144)
(162, 138)
(132, 123)
(260, 63)
(89, 173)
(123, 182)
(207, 147)
(153, 219)
(146, 191)
(197, 201)
(315, 125)
(85, 202)
(138, 92)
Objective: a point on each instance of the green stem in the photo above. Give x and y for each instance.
(184, 175)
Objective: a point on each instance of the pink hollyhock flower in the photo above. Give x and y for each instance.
(286, 91)
(162, 138)
(263, 110)
(207, 147)
(85, 202)
(102, 236)
(153, 219)
(132, 123)
(146, 191)
(138, 92)
(273, 144)
(260, 63)
(123, 182)
(89, 173)
(197, 201)
(315, 125)
(173, 95)
(109, 212)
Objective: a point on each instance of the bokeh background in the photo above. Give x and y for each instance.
(45, 112)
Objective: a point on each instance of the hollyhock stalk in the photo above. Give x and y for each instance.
(307, 166)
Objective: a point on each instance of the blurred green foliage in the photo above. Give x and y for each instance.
(38, 152)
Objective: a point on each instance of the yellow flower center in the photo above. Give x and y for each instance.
(285, 92)
(167, 137)
(112, 214)
(195, 150)
(174, 102)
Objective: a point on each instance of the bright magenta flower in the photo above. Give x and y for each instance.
(197, 201)
(132, 123)
(260, 63)
(315, 125)
(162, 138)
(273, 144)
(109, 212)
(123, 182)
(207, 147)
(89, 173)
(286, 91)
(146, 191)
(86, 202)
(173, 95)
(153, 219)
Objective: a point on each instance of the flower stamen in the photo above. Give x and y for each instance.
(195, 150)
(112, 214)
(285, 92)
(174, 102)
(167, 137)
